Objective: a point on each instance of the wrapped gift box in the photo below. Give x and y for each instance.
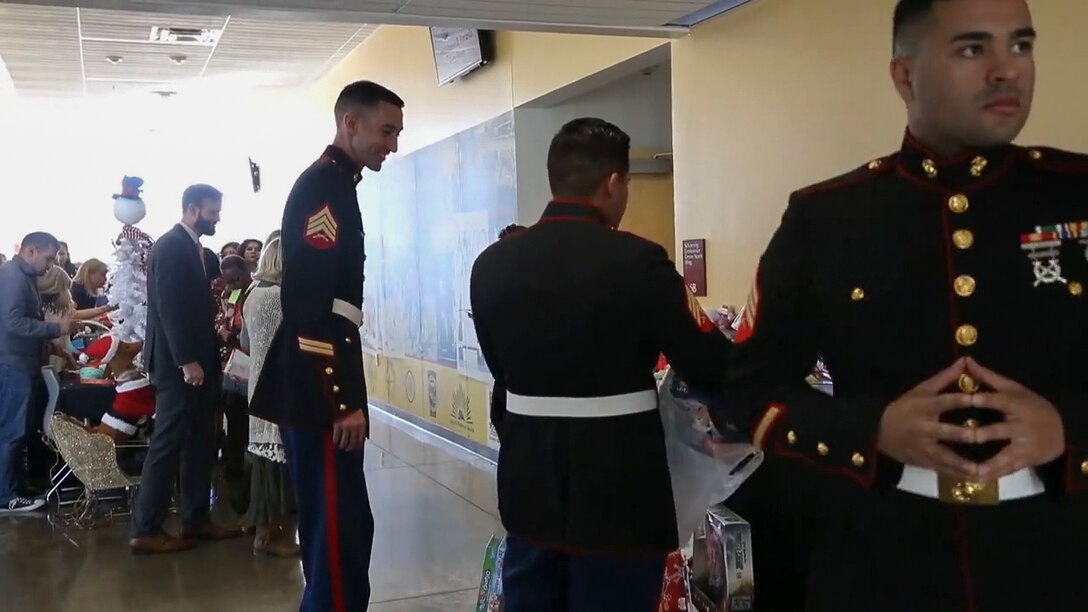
(722, 577)
(489, 598)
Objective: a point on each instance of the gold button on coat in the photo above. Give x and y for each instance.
(875, 164)
(968, 384)
(328, 371)
(343, 408)
(963, 239)
(929, 168)
(964, 285)
(822, 449)
(958, 203)
(1035, 154)
(857, 294)
(858, 460)
(336, 388)
(791, 437)
(1084, 468)
(1076, 288)
(966, 335)
(978, 164)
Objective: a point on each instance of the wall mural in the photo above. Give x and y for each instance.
(427, 216)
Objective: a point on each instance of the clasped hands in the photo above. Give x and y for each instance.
(911, 431)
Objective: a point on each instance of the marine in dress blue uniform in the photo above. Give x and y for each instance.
(572, 315)
(312, 384)
(945, 290)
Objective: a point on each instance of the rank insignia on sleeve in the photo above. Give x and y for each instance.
(321, 229)
(316, 347)
(747, 318)
(697, 313)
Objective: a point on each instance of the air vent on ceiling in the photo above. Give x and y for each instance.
(185, 36)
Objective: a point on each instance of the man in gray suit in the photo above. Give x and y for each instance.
(183, 361)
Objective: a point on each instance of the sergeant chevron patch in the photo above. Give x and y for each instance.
(321, 229)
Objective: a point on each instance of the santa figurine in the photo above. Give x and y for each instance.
(134, 404)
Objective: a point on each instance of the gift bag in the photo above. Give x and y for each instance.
(236, 373)
(676, 590)
(489, 598)
(706, 465)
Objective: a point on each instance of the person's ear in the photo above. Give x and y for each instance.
(901, 70)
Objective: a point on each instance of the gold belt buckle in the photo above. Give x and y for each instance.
(965, 493)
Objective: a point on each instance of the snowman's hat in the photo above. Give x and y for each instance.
(130, 188)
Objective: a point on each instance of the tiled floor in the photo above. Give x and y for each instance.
(434, 509)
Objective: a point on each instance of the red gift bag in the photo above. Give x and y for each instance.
(676, 589)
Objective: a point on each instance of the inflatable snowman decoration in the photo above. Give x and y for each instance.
(128, 274)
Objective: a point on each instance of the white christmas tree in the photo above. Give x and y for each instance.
(128, 274)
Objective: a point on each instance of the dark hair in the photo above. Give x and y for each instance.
(246, 243)
(211, 264)
(583, 154)
(909, 13)
(68, 266)
(511, 230)
(229, 245)
(195, 195)
(365, 94)
(41, 241)
(233, 261)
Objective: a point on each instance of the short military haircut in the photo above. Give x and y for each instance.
(584, 154)
(41, 241)
(195, 195)
(907, 22)
(363, 94)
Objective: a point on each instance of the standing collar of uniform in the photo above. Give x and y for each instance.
(567, 209)
(338, 157)
(962, 171)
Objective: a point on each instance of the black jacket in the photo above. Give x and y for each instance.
(180, 315)
(897, 269)
(313, 374)
(570, 308)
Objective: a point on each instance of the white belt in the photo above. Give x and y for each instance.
(582, 407)
(922, 481)
(348, 311)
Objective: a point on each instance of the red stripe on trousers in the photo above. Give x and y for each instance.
(332, 526)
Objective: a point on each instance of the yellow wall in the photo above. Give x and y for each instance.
(650, 211)
(542, 62)
(784, 93)
(527, 65)
(400, 58)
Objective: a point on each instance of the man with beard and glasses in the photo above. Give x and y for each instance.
(944, 287)
(183, 362)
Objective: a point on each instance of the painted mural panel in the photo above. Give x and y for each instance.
(428, 216)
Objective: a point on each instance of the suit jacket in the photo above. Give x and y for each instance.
(180, 317)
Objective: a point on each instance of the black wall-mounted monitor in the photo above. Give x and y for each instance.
(459, 51)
